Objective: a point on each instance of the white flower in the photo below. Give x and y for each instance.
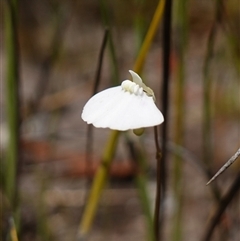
(129, 106)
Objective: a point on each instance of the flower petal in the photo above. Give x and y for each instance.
(121, 110)
(100, 105)
(136, 78)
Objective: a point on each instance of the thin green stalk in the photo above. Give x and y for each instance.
(13, 230)
(181, 27)
(149, 36)
(101, 175)
(98, 184)
(12, 102)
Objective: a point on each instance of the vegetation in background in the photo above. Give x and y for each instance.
(219, 36)
(181, 39)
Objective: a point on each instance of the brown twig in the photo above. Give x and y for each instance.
(96, 84)
(158, 187)
(225, 166)
(165, 99)
(221, 207)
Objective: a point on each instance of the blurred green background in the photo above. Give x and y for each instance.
(47, 75)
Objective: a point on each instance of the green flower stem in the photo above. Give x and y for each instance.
(149, 37)
(98, 184)
(13, 231)
(12, 101)
(12, 111)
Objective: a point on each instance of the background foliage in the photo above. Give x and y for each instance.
(47, 75)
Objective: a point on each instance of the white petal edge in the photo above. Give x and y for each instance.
(121, 110)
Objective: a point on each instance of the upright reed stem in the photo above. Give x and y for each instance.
(165, 99)
(180, 44)
(12, 101)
